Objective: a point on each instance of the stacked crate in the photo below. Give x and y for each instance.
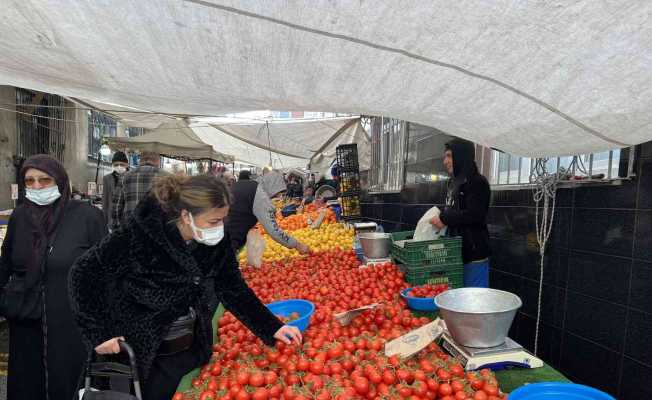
(429, 261)
(346, 156)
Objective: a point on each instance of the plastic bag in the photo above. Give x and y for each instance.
(255, 248)
(427, 231)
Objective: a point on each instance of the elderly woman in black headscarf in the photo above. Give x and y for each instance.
(46, 234)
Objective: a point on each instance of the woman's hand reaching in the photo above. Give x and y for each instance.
(289, 335)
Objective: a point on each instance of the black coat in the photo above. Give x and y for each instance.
(109, 183)
(81, 227)
(467, 203)
(144, 276)
(466, 216)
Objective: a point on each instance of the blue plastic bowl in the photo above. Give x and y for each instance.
(286, 307)
(419, 303)
(557, 390)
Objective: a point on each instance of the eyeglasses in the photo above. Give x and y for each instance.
(43, 181)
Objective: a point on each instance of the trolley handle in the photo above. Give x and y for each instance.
(125, 347)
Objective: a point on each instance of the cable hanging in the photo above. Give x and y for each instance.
(545, 190)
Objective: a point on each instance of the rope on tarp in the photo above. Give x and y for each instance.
(545, 190)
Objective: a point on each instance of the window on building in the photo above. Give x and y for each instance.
(99, 125)
(505, 169)
(133, 132)
(388, 149)
(425, 152)
(41, 124)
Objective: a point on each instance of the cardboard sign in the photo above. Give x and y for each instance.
(413, 342)
(14, 191)
(345, 318)
(92, 187)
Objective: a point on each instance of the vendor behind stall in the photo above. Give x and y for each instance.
(252, 203)
(467, 205)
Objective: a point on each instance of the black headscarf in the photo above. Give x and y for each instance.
(463, 163)
(44, 219)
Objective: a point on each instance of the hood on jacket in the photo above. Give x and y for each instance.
(273, 183)
(463, 158)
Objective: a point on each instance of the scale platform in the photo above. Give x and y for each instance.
(509, 355)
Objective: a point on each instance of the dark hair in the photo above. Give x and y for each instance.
(119, 156)
(193, 193)
(244, 175)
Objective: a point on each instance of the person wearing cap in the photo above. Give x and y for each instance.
(136, 185)
(113, 182)
(465, 214)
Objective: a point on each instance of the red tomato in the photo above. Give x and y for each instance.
(260, 394)
(361, 385)
(445, 389)
(207, 395)
(480, 395)
(257, 379)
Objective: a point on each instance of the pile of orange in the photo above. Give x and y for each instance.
(301, 220)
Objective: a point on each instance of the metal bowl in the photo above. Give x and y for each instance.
(478, 317)
(375, 244)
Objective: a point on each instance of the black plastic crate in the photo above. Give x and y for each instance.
(350, 207)
(349, 183)
(346, 156)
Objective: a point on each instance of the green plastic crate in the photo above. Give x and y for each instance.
(444, 251)
(452, 274)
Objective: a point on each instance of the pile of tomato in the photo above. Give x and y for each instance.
(334, 362)
(429, 290)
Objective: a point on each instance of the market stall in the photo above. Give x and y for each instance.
(172, 139)
(344, 355)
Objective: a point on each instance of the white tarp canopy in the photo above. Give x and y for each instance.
(529, 77)
(172, 139)
(290, 144)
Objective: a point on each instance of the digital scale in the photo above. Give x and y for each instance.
(506, 356)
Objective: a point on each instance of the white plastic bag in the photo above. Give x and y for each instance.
(427, 231)
(255, 248)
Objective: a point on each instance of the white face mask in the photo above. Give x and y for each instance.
(43, 197)
(207, 236)
(120, 169)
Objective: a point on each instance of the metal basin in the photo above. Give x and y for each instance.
(375, 244)
(478, 317)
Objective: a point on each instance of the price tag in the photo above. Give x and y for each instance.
(14, 191)
(413, 342)
(92, 188)
(345, 318)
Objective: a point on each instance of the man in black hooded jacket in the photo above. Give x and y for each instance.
(465, 215)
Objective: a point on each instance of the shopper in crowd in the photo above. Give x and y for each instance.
(467, 206)
(46, 234)
(244, 175)
(229, 178)
(294, 188)
(135, 186)
(170, 266)
(112, 183)
(252, 203)
(308, 195)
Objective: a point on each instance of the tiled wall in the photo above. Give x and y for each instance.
(597, 293)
